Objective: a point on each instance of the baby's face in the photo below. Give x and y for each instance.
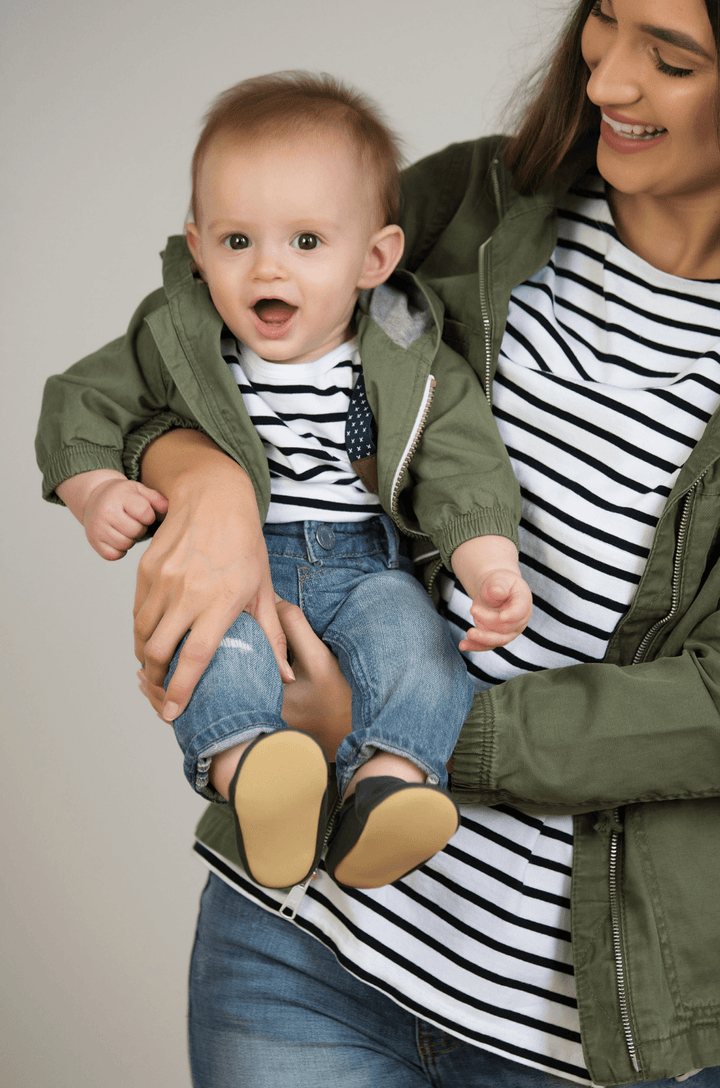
(284, 242)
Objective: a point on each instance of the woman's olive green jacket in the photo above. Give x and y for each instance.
(629, 746)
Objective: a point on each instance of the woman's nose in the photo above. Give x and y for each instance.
(613, 77)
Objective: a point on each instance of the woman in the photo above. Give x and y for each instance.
(592, 301)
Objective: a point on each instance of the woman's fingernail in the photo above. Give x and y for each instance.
(170, 712)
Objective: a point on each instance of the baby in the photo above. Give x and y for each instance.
(353, 420)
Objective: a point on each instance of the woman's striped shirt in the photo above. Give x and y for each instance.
(608, 372)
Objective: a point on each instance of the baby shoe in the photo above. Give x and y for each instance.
(386, 829)
(279, 797)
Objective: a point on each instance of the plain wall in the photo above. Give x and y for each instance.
(101, 108)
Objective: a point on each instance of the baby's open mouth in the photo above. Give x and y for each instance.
(273, 311)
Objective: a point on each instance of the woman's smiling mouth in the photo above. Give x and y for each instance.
(628, 137)
(633, 131)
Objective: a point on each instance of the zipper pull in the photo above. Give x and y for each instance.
(294, 898)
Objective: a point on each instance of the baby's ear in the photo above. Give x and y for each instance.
(384, 251)
(192, 235)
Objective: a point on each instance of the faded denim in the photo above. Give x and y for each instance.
(410, 689)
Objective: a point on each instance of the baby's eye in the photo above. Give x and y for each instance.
(236, 241)
(306, 241)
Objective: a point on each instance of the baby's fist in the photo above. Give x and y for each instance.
(501, 610)
(117, 514)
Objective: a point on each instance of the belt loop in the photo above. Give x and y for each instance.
(393, 541)
(310, 542)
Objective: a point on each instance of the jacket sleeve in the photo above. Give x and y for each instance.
(591, 737)
(463, 485)
(104, 410)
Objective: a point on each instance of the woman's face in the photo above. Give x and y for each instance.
(654, 75)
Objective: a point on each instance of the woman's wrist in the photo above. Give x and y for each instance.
(180, 461)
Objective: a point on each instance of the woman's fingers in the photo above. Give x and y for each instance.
(154, 694)
(180, 592)
(203, 639)
(320, 700)
(264, 610)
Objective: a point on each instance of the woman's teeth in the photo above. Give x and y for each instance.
(634, 132)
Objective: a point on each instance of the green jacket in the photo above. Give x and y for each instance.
(629, 746)
(441, 470)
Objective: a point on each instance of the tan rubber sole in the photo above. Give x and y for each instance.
(404, 830)
(278, 800)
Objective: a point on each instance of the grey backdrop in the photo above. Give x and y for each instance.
(101, 107)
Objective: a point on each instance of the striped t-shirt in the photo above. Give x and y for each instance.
(608, 372)
(300, 411)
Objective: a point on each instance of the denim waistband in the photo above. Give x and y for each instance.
(323, 539)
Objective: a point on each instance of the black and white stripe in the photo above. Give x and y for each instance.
(300, 412)
(608, 372)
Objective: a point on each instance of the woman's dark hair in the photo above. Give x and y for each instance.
(559, 114)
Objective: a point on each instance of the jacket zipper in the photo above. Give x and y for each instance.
(484, 261)
(412, 444)
(618, 946)
(293, 899)
(642, 649)
(677, 565)
(485, 315)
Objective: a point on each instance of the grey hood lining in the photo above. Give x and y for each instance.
(403, 318)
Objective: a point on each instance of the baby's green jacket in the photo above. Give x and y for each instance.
(442, 472)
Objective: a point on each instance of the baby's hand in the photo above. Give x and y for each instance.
(501, 610)
(117, 514)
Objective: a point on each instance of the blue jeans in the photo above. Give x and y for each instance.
(270, 1005)
(410, 690)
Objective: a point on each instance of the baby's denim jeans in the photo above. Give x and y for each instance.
(410, 689)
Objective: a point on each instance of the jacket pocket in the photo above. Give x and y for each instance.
(671, 890)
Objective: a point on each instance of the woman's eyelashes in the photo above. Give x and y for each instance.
(660, 64)
(668, 69)
(597, 11)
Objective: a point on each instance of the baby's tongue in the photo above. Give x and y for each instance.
(273, 310)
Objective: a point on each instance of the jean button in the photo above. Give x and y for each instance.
(325, 537)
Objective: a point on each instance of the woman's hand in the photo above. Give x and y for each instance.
(319, 701)
(206, 564)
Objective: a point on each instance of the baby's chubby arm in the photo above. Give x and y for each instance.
(488, 568)
(114, 511)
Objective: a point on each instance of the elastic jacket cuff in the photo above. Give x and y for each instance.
(73, 460)
(474, 755)
(138, 440)
(490, 521)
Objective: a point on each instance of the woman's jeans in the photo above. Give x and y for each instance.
(410, 689)
(271, 1006)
